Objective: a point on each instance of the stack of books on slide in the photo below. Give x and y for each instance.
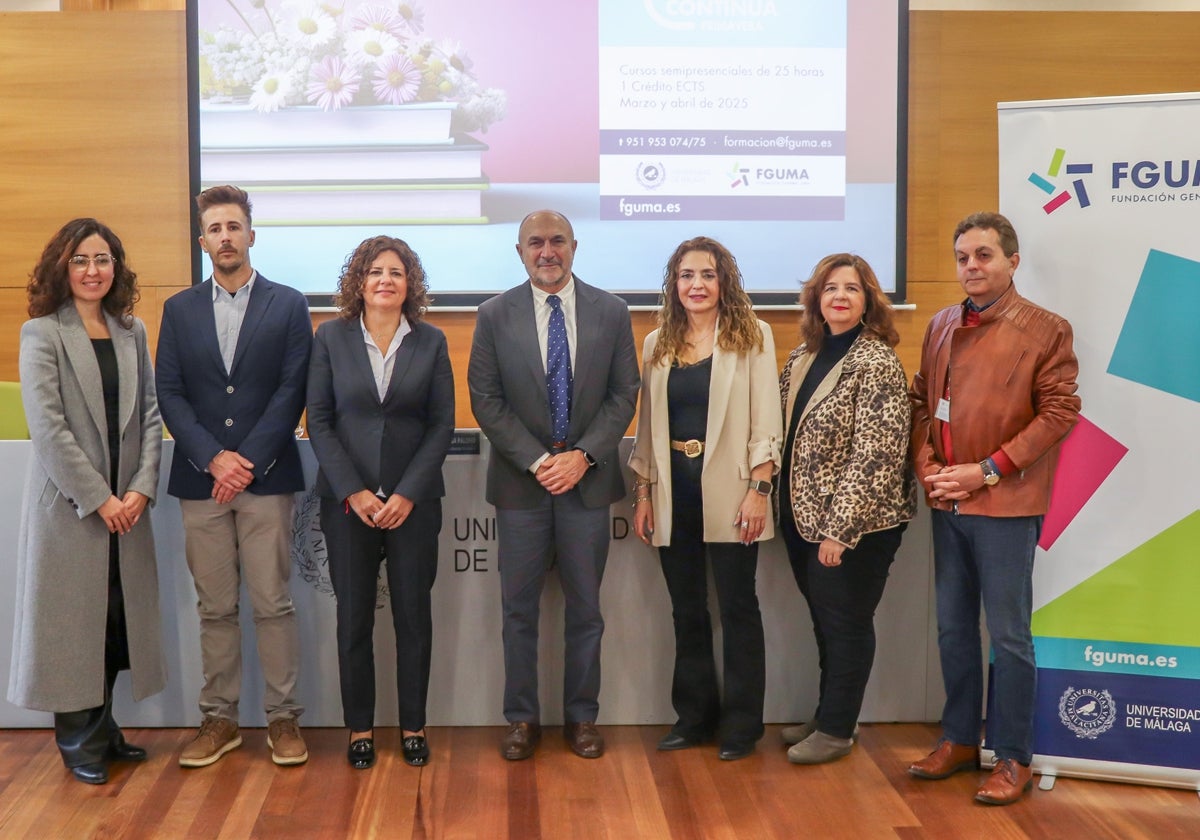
(360, 184)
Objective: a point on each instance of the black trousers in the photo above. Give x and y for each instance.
(84, 736)
(409, 554)
(694, 691)
(842, 601)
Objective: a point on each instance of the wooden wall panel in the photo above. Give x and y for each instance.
(94, 124)
(101, 129)
(963, 63)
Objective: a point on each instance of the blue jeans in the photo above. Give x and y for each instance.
(987, 558)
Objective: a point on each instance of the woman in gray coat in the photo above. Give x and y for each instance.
(87, 585)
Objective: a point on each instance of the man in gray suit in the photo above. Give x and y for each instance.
(553, 379)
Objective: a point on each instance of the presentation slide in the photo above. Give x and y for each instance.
(771, 125)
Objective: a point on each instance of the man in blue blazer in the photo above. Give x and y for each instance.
(553, 380)
(231, 370)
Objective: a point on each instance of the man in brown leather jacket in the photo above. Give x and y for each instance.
(992, 401)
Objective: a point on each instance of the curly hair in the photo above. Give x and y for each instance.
(877, 317)
(739, 328)
(349, 297)
(49, 282)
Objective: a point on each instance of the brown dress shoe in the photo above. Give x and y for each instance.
(1008, 783)
(948, 759)
(584, 739)
(520, 740)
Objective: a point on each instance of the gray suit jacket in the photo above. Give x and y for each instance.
(62, 569)
(398, 444)
(507, 381)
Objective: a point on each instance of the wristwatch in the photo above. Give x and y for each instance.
(990, 477)
(762, 488)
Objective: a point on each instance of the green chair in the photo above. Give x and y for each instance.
(12, 413)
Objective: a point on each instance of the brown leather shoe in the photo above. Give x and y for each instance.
(520, 740)
(216, 737)
(286, 743)
(1008, 783)
(948, 759)
(584, 739)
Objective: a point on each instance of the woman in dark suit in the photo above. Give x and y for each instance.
(380, 417)
(87, 584)
(707, 448)
(846, 492)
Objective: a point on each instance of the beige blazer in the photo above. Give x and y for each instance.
(745, 427)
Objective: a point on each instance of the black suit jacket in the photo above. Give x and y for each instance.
(507, 380)
(398, 444)
(253, 410)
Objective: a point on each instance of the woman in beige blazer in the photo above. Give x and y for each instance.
(87, 585)
(707, 447)
(846, 491)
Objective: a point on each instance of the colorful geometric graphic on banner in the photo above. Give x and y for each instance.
(1126, 680)
(1111, 604)
(1088, 456)
(1159, 344)
(1115, 625)
(1061, 197)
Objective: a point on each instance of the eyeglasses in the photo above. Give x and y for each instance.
(81, 262)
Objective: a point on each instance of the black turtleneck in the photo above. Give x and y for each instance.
(833, 349)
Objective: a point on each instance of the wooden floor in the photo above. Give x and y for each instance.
(468, 791)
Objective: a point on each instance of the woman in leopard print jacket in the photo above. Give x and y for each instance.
(846, 490)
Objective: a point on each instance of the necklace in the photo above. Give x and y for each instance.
(707, 338)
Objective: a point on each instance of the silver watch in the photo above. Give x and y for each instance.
(990, 477)
(762, 488)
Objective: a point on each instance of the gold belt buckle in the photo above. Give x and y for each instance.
(693, 448)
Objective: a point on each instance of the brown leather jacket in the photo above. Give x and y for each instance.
(1013, 379)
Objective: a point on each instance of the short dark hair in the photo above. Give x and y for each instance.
(49, 287)
(877, 316)
(224, 194)
(986, 220)
(349, 297)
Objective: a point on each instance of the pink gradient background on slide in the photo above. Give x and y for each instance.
(544, 55)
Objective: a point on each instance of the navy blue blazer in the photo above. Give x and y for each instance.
(397, 444)
(253, 410)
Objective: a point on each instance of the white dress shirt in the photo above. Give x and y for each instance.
(229, 311)
(541, 315)
(382, 364)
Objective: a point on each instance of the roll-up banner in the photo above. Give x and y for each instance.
(1105, 197)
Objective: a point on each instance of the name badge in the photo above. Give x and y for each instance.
(943, 410)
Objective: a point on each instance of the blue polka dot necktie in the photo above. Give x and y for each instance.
(558, 370)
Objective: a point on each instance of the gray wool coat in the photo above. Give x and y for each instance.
(62, 550)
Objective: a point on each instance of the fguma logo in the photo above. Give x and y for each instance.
(1060, 195)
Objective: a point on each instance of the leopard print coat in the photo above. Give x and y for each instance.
(850, 472)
